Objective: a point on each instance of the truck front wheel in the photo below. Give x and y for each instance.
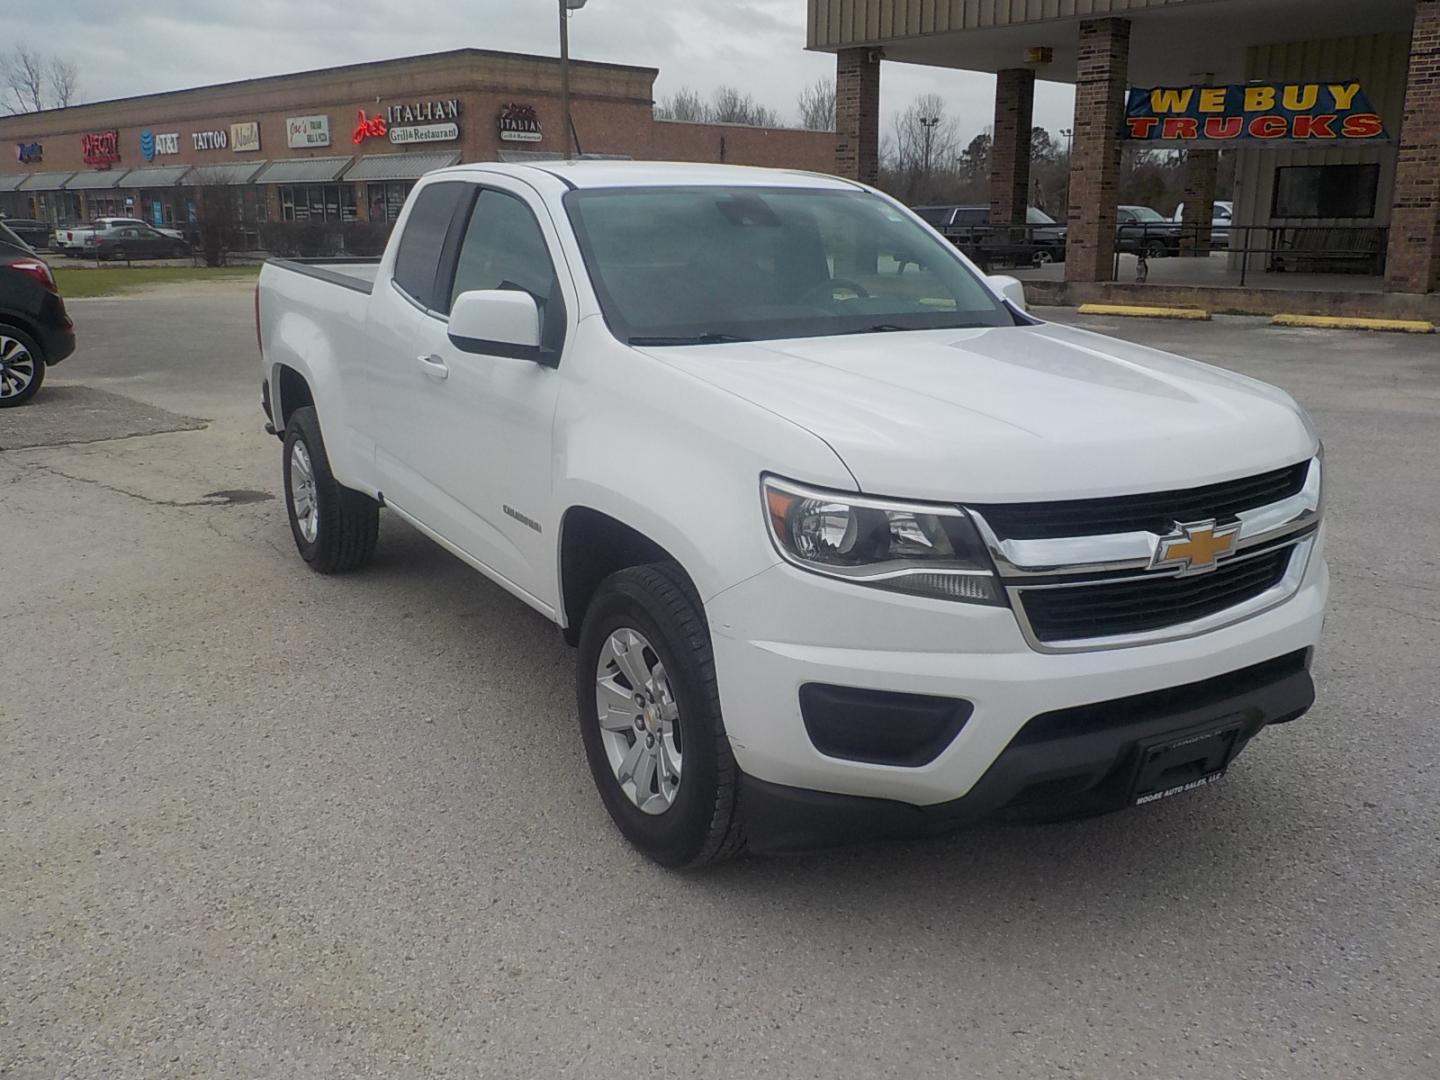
(650, 719)
(335, 527)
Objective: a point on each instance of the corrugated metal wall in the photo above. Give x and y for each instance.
(869, 22)
(1380, 62)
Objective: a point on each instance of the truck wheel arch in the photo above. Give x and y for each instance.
(293, 393)
(594, 545)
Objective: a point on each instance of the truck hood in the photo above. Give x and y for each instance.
(1010, 414)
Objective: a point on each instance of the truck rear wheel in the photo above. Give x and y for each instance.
(335, 527)
(650, 719)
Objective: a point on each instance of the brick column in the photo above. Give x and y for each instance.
(1413, 263)
(1199, 199)
(857, 114)
(1010, 149)
(1100, 81)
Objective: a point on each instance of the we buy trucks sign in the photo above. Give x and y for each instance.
(1306, 112)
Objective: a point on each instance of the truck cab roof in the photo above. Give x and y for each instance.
(649, 174)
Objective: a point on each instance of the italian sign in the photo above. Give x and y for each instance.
(305, 131)
(519, 123)
(423, 133)
(1308, 112)
(245, 137)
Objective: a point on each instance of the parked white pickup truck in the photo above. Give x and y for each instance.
(851, 545)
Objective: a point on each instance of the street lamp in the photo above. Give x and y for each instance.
(929, 123)
(566, 6)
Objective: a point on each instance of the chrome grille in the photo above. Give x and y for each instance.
(1075, 589)
(1153, 512)
(1135, 605)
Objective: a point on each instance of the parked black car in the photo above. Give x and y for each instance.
(1041, 241)
(124, 242)
(35, 329)
(33, 232)
(1142, 229)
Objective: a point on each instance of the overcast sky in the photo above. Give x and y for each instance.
(126, 47)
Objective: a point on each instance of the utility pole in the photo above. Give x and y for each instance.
(566, 6)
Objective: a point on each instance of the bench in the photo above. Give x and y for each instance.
(1338, 250)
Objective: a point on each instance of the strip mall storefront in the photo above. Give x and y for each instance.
(342, 147)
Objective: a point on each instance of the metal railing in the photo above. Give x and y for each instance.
(1283, 248)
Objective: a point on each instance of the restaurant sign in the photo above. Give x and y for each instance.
(1310, 112)
(30, 153)
(245, 137)
(100, 149)
(307, 131)
(519, 123)
(424, 133)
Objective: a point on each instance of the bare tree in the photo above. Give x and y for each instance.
(64, 78)
(684, 104)
(817, 105)
(729, 105)
(25, 78)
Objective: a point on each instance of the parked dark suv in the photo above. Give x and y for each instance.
(35, 329)
(33, 232)
(1040, 241)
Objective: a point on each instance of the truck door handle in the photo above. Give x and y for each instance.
(435, 368)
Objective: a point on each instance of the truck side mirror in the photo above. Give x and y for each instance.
(497, 322)
(1010, 288)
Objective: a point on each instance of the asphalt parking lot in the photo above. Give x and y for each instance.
(258, 823)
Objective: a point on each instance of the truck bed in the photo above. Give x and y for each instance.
(357, 274)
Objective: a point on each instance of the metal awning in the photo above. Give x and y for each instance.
(45, 181)
(11, 182)
(96, 181)
(232, 175)
(312, 170)
(401, 166)
(159, 176)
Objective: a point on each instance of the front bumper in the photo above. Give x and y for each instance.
(1068, 763)
(786, 628)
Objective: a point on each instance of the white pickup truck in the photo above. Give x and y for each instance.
(851, 545)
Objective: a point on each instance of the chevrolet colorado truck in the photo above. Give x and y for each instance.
(850, 545)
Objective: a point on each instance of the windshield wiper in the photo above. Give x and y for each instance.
(881, 328)
(688, 339)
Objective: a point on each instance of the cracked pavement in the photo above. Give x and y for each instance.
(258, 823)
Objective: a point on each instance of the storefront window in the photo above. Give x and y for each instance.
(318, 202)
(386, 200)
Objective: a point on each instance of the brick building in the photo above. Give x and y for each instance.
(1303, 182)
(346, 144)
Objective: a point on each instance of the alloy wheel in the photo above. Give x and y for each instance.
(17, 367)
(639, 720)
(302, 493)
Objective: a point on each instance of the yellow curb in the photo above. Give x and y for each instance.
(1337, 322)
(1137, 312)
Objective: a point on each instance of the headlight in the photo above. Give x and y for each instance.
(916, 548)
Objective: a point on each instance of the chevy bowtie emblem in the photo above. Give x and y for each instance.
(1195, 548)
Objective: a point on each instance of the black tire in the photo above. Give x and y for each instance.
(1156, 249)
(703, 824)
(120, 255)
(348, 522)
(35, 368)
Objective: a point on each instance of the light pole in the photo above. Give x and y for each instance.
(929, 123)
(566, 6)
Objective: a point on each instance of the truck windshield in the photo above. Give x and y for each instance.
(696, 265)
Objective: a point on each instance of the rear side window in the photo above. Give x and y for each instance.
(417, 262)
